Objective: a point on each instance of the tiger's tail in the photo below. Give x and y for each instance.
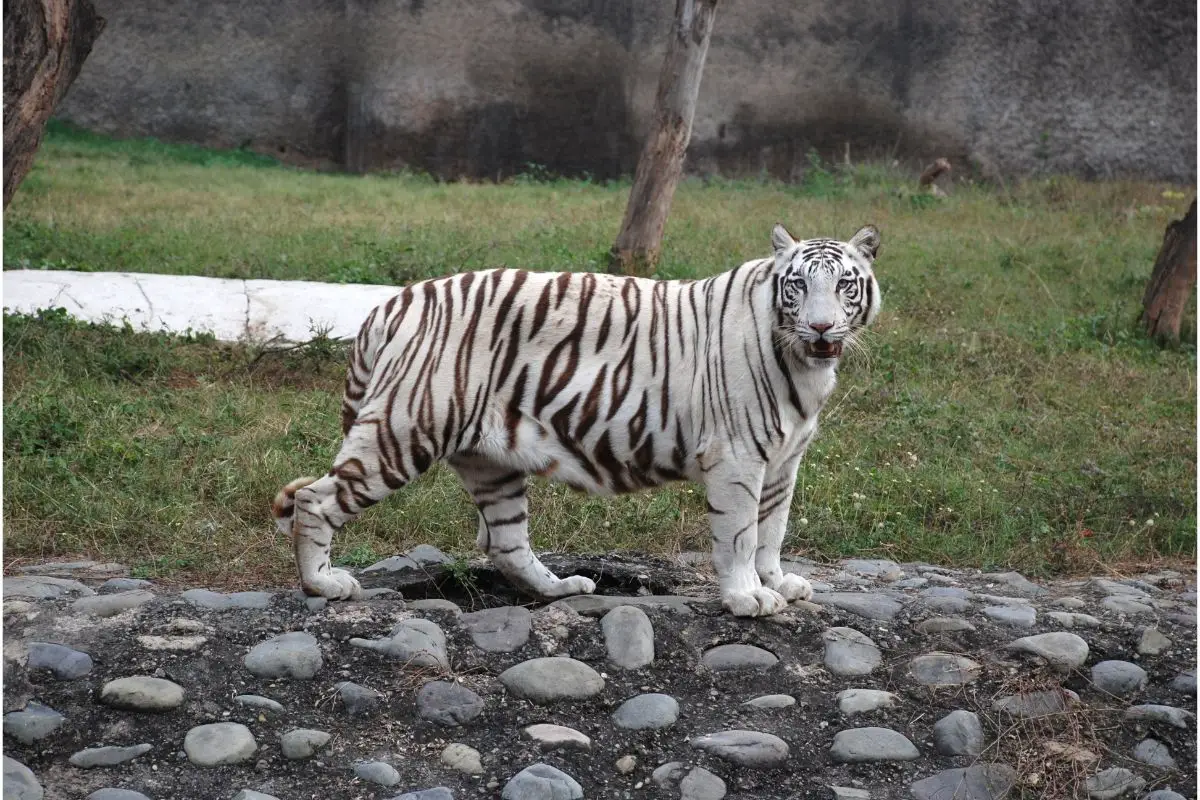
(283, 507)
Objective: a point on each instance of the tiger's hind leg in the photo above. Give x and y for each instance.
(499, 494)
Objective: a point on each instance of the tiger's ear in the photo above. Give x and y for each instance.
(867, 241)
(780, 238)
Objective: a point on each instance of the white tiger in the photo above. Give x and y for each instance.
(608, 383)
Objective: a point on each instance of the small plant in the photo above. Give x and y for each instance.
(361, 555)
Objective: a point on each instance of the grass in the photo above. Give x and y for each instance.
(1007, 414)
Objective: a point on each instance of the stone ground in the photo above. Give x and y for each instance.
(898, 681)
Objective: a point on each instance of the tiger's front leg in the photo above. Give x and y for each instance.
(774, 503)
(733, 491)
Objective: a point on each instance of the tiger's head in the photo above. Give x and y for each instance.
(825, 291)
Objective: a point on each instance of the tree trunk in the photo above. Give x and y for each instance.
(1170, 287)
(661, 162)
(45, 43)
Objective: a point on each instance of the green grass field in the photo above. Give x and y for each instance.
(1006, 412)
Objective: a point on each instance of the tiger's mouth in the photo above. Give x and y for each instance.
(824, 349)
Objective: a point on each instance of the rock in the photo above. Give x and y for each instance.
(542, 782)
(863, 701)
(628, 637)
(865, 604)
(289, 655)
(1110, 587)
(19, 781)
(261, 703)
(1154, 753)
(250, 794)
(437, 793)
(849, 652)
(772, 701)
(849, 793)
(1070, 603)
(548, 680)
(667, 776)
(947, 605)
(873, 568)
(700, 784)
(107, 756)
(66, 663)
(1119, 678)
(434, 604)
(499, 630)
(1125, 605)
(116, 794)
(861, 745)
(462, 758)
(596, 605)
(626, 764)
(1152, 642)
(1014, 616)
(979, 782)
(1034, 705)
(1167, 715)
(448, 703)
(646, 711)
(1062, 651)
(1074, 620)
(557, 737)
(40, 587)
(35, 722)
(421, 558)
(176, 643)
(377, 772)
(219, 743)
(1164, 794)
(910, 583)
(109, 605)
(113, 585)
(1111, 783)
(1003, 600)
(1014, 582)
(1185, 682)
(943, 625)
(943, 669)
(959, 733)
(358, 699)
(216, 601)
(142, 693)
(416, 642)
(728, 657)
(302, 743)
(745, 748)
(73, 569)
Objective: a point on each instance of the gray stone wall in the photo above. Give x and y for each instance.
(1096, 88)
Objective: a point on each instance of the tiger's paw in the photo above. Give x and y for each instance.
(336, 584)
(760, 602)
(576, 584)
(794, 587)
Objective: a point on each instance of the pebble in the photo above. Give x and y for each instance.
(1152, 642)
(849, 793)
(1164, 794)
(862, 745)
(863, 701)
(462, 758)
(597, 605)
(66, 663)
(1125, 605)
(1014, 582)
(626, 764)
(1069, 603)
(548, 680)
(1119, 678)
(771, 701)
(1069, 619)
(250, 794)
(34, 722)
(558, 737)
(219, 743)
(959, 733)
(542, 782)
(849, 652)
(416, 642)
(436, 793)
(378, 772)
(1168, 715)
(302, 743)
(1154, 753)
(115, 794)
(448, 703)
(943, 669)
(646, 711)
(109, 605)
(628, 637)
(1111, 587)
(123, 585)
(700, 784)
(1014, 616)
(865, 604)
(943, 625)
(1062, 651)
(177, 643)
(435, 604)
(39, 587)
(1113, 782)
(419, 559)
(873, 568)
(289, 655)
(978, 782)
(1035, 705)
(729, 657)
(947, 605)
(745, 748)
(107, 756)
(142, 693)
(1185, 682)
(358, 699)
(259, 702)
(19, 781)
(499, 630)
(216, 601)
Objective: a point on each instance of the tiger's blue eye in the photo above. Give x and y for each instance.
(846, 285)
(801, 285)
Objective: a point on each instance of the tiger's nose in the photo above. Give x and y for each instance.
(820, 327)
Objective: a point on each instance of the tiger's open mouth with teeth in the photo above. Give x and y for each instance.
(824, 349)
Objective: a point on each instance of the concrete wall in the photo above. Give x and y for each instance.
(461, 88)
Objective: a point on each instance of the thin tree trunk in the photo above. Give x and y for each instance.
(45, 44)
(1169, 289)
(661, 162)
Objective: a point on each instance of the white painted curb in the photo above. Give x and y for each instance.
(231, 310)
